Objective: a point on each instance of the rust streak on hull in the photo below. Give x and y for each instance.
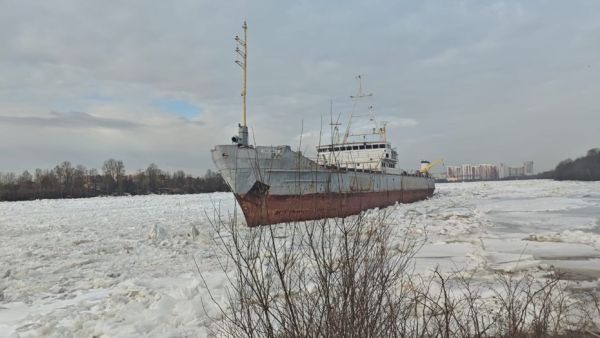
(263, 209)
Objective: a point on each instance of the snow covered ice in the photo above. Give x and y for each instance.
(123, 266)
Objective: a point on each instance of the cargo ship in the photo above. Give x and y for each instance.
(275, 184)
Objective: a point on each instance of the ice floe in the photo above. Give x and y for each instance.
(124, 266)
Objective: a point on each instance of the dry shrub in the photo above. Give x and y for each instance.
(353, 277)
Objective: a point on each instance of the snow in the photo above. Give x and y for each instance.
(124, 266)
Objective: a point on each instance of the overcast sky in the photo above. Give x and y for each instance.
(154, 81)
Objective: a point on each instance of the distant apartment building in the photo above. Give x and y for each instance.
(487, 172)
(528, 167)
(469, 172)
(454, 173)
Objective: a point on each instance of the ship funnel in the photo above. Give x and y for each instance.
(425, 166)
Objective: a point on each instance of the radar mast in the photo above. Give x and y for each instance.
(359, 95)
(242, 50)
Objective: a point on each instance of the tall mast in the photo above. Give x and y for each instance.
(359, 95)
(242, 50)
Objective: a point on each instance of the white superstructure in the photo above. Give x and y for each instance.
(373, 155)
(363, 151)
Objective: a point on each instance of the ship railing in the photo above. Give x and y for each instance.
(346, 169)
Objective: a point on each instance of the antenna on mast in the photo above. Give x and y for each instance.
(242, 50)
(359, 95)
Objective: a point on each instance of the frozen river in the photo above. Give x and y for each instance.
(122, 266)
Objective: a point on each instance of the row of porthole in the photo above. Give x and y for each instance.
(345, 148)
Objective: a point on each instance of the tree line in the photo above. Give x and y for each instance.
(68, 181)
(585, 168)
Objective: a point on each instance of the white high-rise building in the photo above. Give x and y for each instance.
(486, 172)
(528, 168)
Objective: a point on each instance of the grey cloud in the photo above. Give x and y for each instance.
(494, 80)
(69, 120)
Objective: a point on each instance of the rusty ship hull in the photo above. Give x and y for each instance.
(276, 185)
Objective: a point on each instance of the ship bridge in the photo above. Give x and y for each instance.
(371, 155)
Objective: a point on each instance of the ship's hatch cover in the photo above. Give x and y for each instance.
(259, 188)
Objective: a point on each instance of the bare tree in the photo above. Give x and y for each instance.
(8, 178)
(25, 178)
(113, 168)
(152, 174)
(332, 278)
